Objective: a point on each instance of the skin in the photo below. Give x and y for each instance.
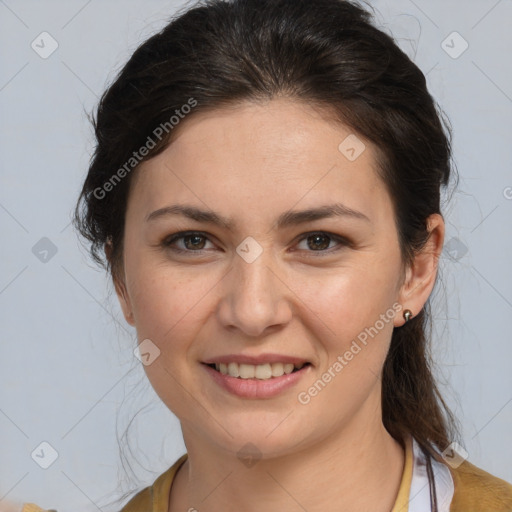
(250, 164)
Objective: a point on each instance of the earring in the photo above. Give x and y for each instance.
(407, 315)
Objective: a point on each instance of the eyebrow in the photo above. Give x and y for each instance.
(287, 219)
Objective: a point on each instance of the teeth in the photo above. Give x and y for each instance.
(263, 371)
(277, 369)
(288, 368)
(247, 371)
(233, 370)
(260, 371)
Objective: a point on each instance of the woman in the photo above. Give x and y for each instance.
(266, 191)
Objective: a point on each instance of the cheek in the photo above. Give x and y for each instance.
(169, 309)
(166, 298)
(345, 316)
(348, 301)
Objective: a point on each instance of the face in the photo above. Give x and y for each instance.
(255, 280)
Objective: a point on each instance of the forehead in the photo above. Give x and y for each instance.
(276, 153)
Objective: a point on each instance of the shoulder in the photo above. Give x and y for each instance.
(143, 500)
(155, 498)
(475, 490)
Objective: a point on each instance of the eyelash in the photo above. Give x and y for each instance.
(167, 243)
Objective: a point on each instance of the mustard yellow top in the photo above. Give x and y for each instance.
(474, 490)
(402, 498)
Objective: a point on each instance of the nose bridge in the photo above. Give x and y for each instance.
(253, 278)
(254, 298)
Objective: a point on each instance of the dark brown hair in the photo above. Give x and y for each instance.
(326, 53)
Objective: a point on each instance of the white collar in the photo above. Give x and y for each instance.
(419, 494)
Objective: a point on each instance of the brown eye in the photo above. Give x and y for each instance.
(189, 242)
(322, 243)
(318, 241)
(194, 242)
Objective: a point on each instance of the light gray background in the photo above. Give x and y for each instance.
(67, 361)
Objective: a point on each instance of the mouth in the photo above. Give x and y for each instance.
(267, 371)
(264, 376)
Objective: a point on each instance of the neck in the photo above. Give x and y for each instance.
(357, 469)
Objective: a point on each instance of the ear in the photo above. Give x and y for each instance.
(420, 276)
(120, 287)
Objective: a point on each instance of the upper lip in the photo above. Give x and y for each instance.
(256, 360)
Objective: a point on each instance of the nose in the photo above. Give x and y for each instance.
(255, 298)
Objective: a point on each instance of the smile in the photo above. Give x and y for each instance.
(260, 381)
(260, 371)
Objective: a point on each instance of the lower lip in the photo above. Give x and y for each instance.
(256, 388)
